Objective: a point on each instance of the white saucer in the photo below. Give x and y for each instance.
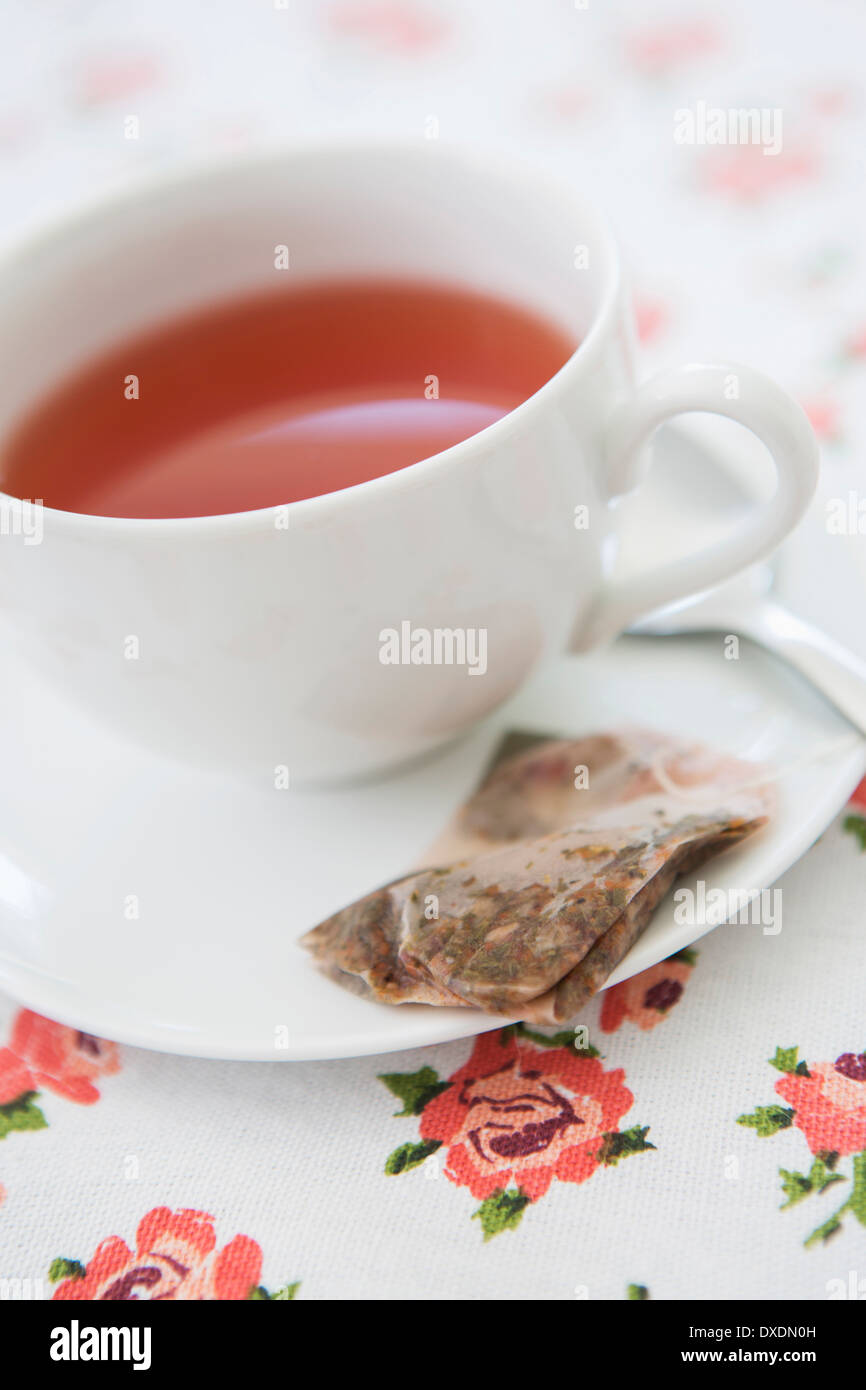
(224, 877)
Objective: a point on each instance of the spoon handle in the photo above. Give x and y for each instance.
(835, 671)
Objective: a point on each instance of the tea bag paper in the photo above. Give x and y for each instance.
(546, 877)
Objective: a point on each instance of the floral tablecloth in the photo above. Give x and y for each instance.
(709, 1139)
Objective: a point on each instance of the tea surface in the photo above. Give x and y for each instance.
(277, 397)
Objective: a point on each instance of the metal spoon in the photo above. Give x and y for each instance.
(742, 607)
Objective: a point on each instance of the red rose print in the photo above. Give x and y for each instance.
(855, 347)
(104, 80)
(646, 998)
(651, 318)
(827, 1103)
(831, 101)
(562, 103)
(175, 1257)
(823, 416)
(666, 46)
(745, 173)
(830, 1104)
(517, 1112)
(390, 23)
(858, 796)
(15, 1079)
(16, 131)
(65, 1060)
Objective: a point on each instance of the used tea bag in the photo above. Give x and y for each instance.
(548, 875)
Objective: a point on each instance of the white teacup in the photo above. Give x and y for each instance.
(286, 636)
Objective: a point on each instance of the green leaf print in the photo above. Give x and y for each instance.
(618, 1145)
(767, 1119)
(501, 1212)
(856, 826)
(567, 1038)
(786, 1060)
(409, 1156)
(21, 1114)
(259, 1294)
(65, 1269)
(415, 1088)
(796, 1186)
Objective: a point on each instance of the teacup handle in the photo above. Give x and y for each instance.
(753, 400)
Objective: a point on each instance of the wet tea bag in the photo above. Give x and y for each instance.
(546, 877)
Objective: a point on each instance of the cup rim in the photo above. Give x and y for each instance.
(191, 173)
